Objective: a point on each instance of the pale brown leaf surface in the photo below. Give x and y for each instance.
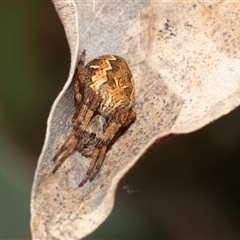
(184, 57)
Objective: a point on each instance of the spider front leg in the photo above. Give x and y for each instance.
(90, 104)
(120, 118)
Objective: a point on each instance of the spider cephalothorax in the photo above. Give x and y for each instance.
(104, 97)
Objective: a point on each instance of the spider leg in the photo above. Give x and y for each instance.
(63, 146)
(87, 109)
(80, 114)
(90, 105)
(78, 93)
(79, 85)
(78, 90)
(99, 163)
(91, 167)
(119, 118)
(69, 151)
(131, 116)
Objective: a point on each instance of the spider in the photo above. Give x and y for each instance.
(104, 97)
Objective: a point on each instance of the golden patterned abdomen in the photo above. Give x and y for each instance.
(110, 77)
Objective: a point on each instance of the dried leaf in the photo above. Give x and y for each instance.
(184, 57)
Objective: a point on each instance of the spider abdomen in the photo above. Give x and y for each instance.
(110, 77)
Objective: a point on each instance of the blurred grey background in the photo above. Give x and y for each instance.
(186, 188)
